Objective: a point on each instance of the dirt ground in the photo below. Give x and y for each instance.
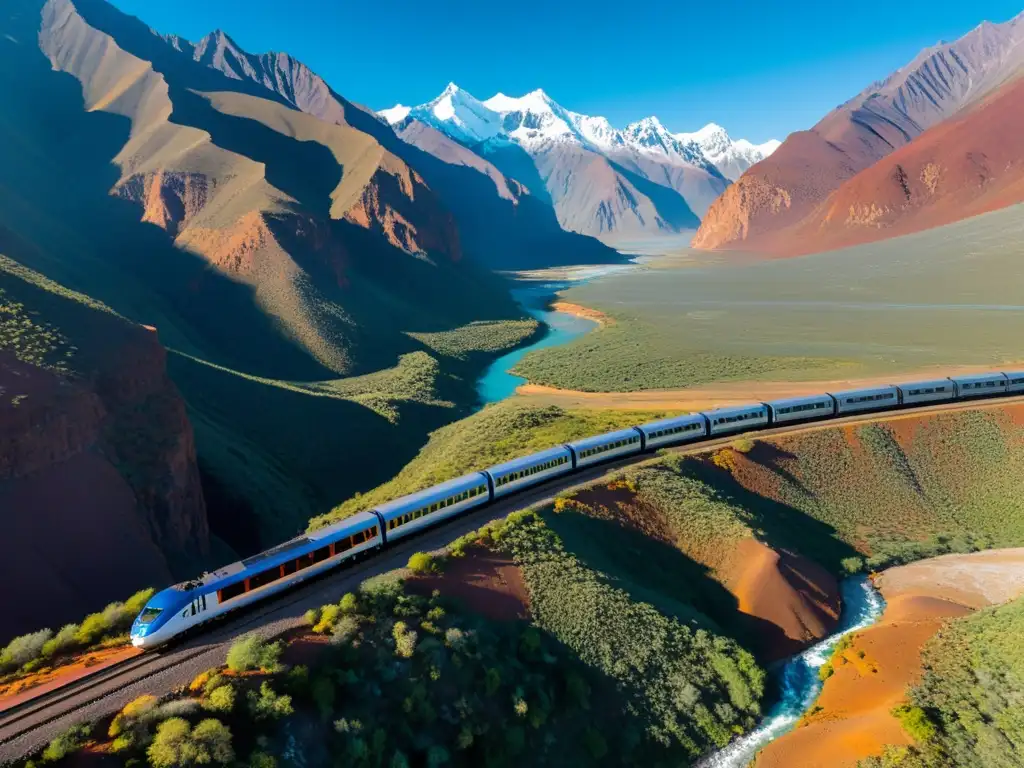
(797, 596)
(871, 677)
(725, 394)
(30, 686)
(485, 582)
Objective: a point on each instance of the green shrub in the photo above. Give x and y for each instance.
(329, 615)
(421, 563)
(66, 743)
(915, 722)
(269, 705)
(312, 616)
(262, 760)
(825, 671)
(177, 744)
(349, 603)
(21, 650)
(221, 700)
(62, 641)
(405, 639)
(252, 652)
(743, 445)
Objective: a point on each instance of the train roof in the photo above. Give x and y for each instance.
(787, 401)
(344, 527)
(441, 491)
(923, 383)
(734, 410)
(865, 391)
(672, 421)
(993, 375)
(1014, 374)
(528, 461)
(607, 437)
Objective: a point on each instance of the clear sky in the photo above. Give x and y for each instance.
(760, 69)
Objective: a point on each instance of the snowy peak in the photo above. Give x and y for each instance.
(455, 112)
(535, 119)
(730, 157)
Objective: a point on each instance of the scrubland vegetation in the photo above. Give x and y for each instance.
(797, 319)
(497, 433)
(966, 709)
(109, 627)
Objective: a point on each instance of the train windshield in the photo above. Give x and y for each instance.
(148, 616)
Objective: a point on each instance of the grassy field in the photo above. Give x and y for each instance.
(497, 433)
(946, 297)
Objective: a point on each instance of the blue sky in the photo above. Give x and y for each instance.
(760, 69)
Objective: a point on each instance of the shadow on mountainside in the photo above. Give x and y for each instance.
(669, 203)
(657, 573)
(779, 525)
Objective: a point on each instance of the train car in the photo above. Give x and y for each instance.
(529, 470)
(177, 609)
(981, 385)
(592, 450)
(933, 391)
(725, 420)
(678, 429)
(801, 409)
(416, 511)
(858, 400)
(1014, 381)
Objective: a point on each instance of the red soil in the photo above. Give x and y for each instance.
(795, 594)
(872, 676)
(485, 582)
(25, 688)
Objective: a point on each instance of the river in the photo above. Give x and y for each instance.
(497, 383)
(798, 681)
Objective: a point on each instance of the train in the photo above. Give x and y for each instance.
(185, 607)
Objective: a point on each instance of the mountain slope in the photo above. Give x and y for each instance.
(601, 181)
(940, 82)
(962, 167)
(491, 232)
(297, 270)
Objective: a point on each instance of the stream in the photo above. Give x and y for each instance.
(798, 681)
(560, 328)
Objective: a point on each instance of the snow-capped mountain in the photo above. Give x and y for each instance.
(731, 157)
(601, 180)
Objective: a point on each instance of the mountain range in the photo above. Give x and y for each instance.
(638, 181)
(938, 140)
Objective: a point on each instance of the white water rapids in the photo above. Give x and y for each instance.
(798, 681)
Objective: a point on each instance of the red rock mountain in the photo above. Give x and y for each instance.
(776, 206)
(100, 491)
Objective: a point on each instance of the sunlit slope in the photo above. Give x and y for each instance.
(264, 245)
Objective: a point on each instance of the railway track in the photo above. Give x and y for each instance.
(29, 726)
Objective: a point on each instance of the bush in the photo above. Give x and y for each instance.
(21, 650)
(329, 615)
(252, 652)
(69, 741)
(222, 700)
(349, 603)
(177, 744)
(422, 563)
(133, 712)
(268, 704)
(743, 445)
(915, 722)
(262, 760)
(62, 641)
(312, 616)
(405, 640)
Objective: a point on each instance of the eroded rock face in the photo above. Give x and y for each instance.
(775, 205)
(99, 485)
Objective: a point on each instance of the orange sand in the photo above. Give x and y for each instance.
(854, 721)
(580, 311)
(797, 596)
(24, 688)
(726, 393)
